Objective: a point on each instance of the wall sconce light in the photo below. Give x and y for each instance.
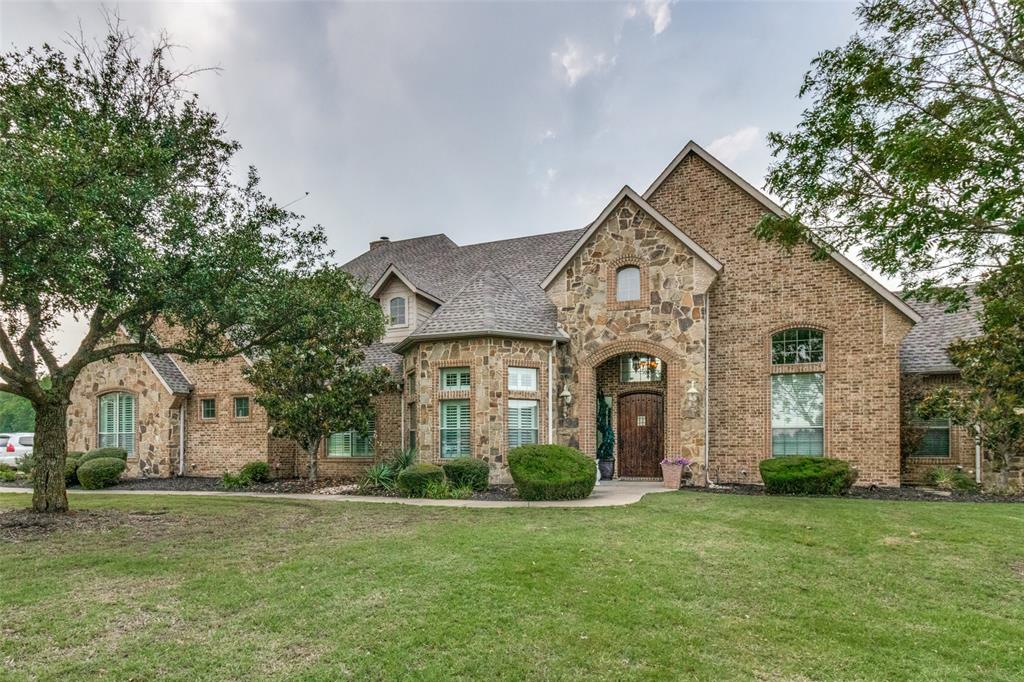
(692, 395)
(565, 395)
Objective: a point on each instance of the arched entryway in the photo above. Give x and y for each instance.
(641, 434)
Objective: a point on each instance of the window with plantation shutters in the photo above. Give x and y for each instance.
(454, 428)
(522, 422)
(522, 379)
(352, 443)
(455, 379)
(117, 422)
(798, 414)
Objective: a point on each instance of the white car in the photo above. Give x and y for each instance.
(14, 446)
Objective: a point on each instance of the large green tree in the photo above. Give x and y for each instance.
(117, 206)
(912, 148)
(318, 384)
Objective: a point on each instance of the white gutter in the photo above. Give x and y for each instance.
(977, 457)
(707, 385)
(551, 390)
(181, 440)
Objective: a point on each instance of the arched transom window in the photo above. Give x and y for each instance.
(798, 346)
(627, 283)
(117, 421)
(397, 311)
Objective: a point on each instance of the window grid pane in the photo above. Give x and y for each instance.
(627, 284)
(455, 379)
(209, 408)
(455, 428)
(397, 311)
(796, 346)
(798, 414)
(522, 379)
(241, 407)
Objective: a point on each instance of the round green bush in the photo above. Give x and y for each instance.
(807, 476)
(256, 472)
(413, 480)
(467, 472)
(100, 453)
(100, 473)
(70, 470)
(551, 472)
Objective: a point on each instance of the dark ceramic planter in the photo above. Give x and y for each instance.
(607, 468)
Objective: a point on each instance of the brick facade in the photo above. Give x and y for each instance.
(762, 289)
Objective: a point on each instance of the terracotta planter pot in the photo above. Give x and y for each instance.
(672, 475)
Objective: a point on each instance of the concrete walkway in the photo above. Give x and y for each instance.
(608, 494)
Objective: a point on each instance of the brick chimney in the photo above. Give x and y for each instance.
(379, 243)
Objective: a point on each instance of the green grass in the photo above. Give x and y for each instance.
(678, 586)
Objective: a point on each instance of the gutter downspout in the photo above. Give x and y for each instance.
(977, 457)
(707, 386)
(181, 440)
(551, 389)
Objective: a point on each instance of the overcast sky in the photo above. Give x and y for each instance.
(482, 120)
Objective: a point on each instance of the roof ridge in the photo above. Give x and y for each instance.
(525, 236)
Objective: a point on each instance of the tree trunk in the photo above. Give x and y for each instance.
(311, 451)
(51, 447)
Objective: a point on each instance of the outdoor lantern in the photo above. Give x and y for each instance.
(565, 395)
(635, 361)
(692, 394)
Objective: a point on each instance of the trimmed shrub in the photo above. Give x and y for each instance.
(551, 472)
(467, 472)
(101, 453)
(70, 471)
(256, 472)
(8, 475)
(807, 476)
(413, 480)
(101, 472)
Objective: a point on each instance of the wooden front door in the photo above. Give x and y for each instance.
(641, 435)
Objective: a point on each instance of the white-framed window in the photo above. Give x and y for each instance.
(208, 408)
(522, 378)
(797, 346)
(522, 422)
(117, 421)
(352, 443)
(627, 283)
(637, 368)
(935, 439)
(455, 379)
(455, 428)
(397, 311)
(798, 414)
(241, 406)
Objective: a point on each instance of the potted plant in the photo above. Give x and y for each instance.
(606, 448)
(672, 471)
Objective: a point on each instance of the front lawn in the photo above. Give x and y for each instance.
(683, 585)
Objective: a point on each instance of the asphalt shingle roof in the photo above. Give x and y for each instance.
(492, 287)
(380, 354)
(169, 371)
(924, 349)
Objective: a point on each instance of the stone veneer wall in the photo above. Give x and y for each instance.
(488, 360)
(609, 381)
(761, 290)
(668, 322)
(156, 431)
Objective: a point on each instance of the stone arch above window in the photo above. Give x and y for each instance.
(397, 311)
(798, 346)
(628, 286)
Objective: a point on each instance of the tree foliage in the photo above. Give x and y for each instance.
(989, 401)
(912, 148)
(318, 385)
(118, 205)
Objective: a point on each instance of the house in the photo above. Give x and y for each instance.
(704, 341)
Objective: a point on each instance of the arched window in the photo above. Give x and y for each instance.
(798, 346)
(117, 421)
(627, 284)
(397, 311)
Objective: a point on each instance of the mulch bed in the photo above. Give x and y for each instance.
(19, 525)
(911, 494)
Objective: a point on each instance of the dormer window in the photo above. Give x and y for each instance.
(627, 284)
(397, 311)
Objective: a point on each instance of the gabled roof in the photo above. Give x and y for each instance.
(627, 192)
(169, 373)
(923, 350)
(694, 148)
(381, 355)
(393, 271)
